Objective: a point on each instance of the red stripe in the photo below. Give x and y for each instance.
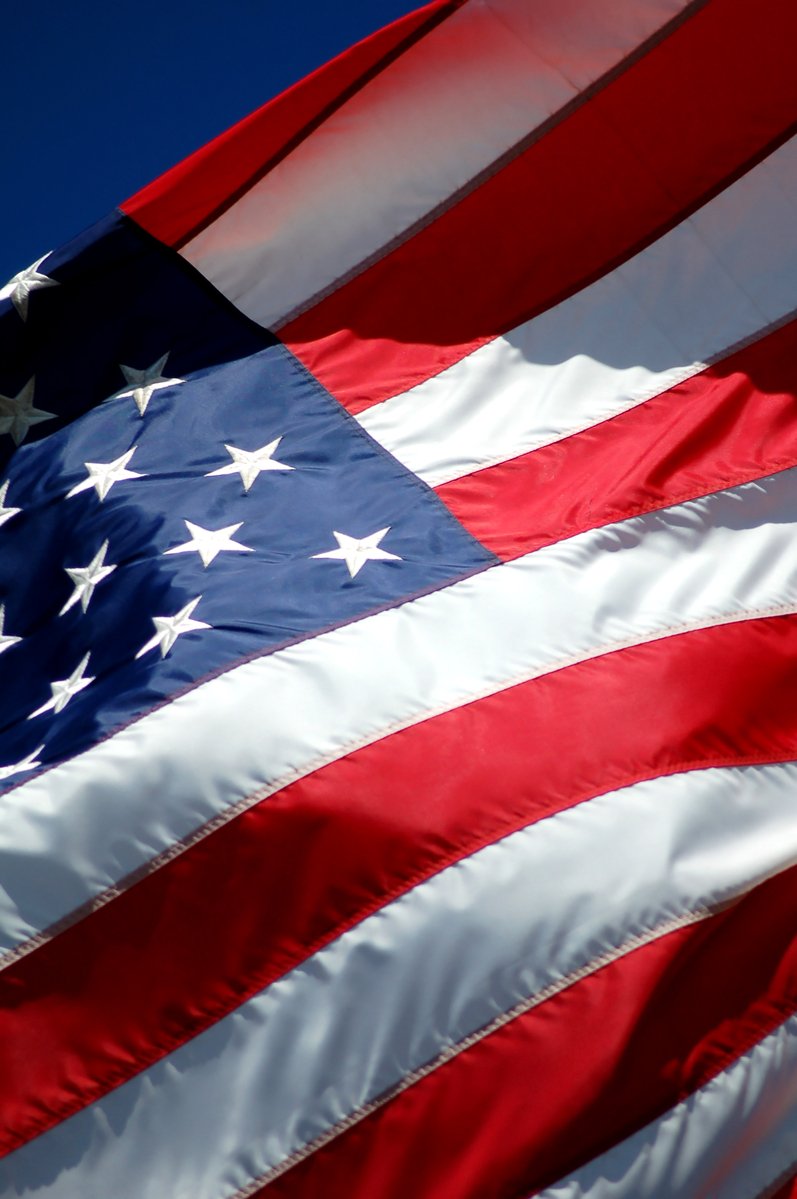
(624, 167)
(112, 994)
(587, 1068)
(180, 203)
(731, 423)
(788, 1191)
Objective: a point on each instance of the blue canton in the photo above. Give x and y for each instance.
(177, 494)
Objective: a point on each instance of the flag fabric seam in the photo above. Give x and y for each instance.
(179, 846)
(743, 1060)
(637, 400)
(773, 1190)
(775, 467)
(593, 276)
(190, 272)
(697, 916)
(412, 476)
(497, 165)
(459, 853)
(436, 18)
(602, 960)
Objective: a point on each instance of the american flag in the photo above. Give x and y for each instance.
(398, 633)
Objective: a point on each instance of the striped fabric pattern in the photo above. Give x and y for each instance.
(481, 887)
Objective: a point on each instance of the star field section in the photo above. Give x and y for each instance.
(178, 494)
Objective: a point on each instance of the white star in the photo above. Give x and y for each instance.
(249, 463)
(65, 689)
(17, 413)
(210, 542)
(20, 287)
(86, 579)
(6, 641)
(169, 628)
(6, 513)
(103, 475)
(28, 763)
(355, 552)
(143, 382)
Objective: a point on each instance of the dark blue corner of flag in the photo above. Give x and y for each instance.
(156, 438)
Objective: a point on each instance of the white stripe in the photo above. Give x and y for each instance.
(424, 127)
(721, 276)
(416, 978)
(87, 823)
(732, 1139)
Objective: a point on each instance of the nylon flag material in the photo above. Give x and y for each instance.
(398, 633)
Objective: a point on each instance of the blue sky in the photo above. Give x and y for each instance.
(100, 98)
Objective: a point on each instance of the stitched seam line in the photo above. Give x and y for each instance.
(211, 1015)
(721, 483)
(314, 123)
(609, 956)
(612, 263)
(498, 164)
(785, 1176)
(674, 379)
(246, 802)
